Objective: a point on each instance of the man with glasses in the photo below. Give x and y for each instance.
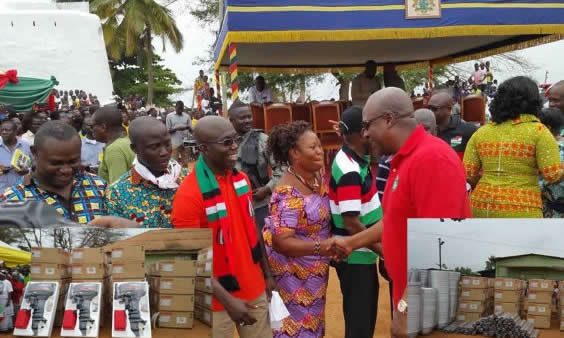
(451, 128)
(426, 180)
(218, 196)
(253, 159)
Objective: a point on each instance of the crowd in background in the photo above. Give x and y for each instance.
(12, 284)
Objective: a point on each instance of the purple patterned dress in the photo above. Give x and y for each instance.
(301, 281)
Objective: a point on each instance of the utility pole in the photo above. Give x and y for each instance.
(546, 77)
(440, 254)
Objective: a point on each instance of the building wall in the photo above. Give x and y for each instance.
(66, 44)
(529, 267)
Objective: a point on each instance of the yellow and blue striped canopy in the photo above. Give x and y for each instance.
(315, 35)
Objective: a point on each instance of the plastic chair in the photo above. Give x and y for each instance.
(275, 114)
(473, 109)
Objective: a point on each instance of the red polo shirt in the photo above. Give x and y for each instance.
(427, 180)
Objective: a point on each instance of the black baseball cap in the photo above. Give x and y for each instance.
(351, 120)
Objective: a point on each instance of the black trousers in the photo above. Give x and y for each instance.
(359, 286)
(384, 273)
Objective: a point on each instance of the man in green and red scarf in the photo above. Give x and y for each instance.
(217, 196)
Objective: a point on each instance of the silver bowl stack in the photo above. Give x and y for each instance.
(440, 281)
(428, 309)
(414, 310)
(453, 279)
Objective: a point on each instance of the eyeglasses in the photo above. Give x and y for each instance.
(367, 124)
(229, 141)
(435, 108)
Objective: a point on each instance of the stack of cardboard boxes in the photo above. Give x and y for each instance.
(173, 284)
(561, 304)
(52, 264)
(508, 295)
(204, 290)
(126, 264)
(90, 265)
(476, 298)
(539, 299)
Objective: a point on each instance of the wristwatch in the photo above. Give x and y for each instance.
(402, 306)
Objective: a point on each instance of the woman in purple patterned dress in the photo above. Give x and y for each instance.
(297, 233)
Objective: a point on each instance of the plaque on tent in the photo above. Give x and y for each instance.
(422, 9)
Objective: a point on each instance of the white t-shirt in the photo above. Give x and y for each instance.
(260, 97)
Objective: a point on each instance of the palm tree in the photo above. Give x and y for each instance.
(129, 27)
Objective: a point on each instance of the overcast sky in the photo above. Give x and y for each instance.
(469, 243)
(197, 40)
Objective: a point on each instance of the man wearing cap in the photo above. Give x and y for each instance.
(355, 206)
(365, 84)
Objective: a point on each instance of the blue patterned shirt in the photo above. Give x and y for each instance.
(137, 199)
(87, 197)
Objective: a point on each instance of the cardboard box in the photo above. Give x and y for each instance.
(128, 254)
(89, 271)
(50, 255)
(205, 254)
(204, 315)
(204, 269)
(539, 297)
(508, 284)
(507, 307)
(128, 270)
(541, 285)
(176, 268)
(507, 296)
(562, 325)
(182, 303)
(204, 300)
(561, 285)
(471, 282)
(472, 306)
(48, 271)
(539, 322)
(88, 255)
(179, 320)
(204, 284)
(538, 309)
(468, 316)
(175, 285)
(474, 294)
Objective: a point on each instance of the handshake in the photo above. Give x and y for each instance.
(336, 248)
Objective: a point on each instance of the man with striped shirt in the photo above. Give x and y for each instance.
(355, 206)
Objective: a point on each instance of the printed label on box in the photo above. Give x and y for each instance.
(498, 308)
(35, 253)
(35, 270)
(164, 319)
(509, 284)
(463, 306)
(76, 270)
(498, 283)
(207, 316)
(117, 269)
(210, 254)
(534, 284)
(168, 267)
(544, 285)
(181, 320)
(166, 285)
(91, 270)
(208, 266)
(208, 299)
(498, 295)
(532, 296)
(77, 254)
(466, 281)
(532, 308)
(474, 306)
(542, 309)
(476, 282)
(49, 271)
(117, 253)
(466, 293)
(208, 282)
(166, 302)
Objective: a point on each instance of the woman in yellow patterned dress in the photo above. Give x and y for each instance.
(503, 159)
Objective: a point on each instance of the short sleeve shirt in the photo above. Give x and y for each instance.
(117, 159)
(10, 178)
(173, 120)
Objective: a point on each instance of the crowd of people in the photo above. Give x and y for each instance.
(280, 218)
(12, 284)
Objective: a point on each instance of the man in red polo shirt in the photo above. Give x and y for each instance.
(426, 180)
(215, 195)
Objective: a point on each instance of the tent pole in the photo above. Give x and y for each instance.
(233, 71)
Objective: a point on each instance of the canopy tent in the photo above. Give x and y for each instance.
(22, 92)
(13, 257)
(322, 36)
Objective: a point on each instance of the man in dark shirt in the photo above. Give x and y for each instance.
(451, 128)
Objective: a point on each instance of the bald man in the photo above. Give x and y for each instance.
(218, 196)
(426, 181)
(556, 98)
(426, 118)
(144, 194)
(451, 128)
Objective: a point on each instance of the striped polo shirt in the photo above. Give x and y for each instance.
(353, 193)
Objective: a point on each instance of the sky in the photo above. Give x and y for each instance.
(197, 40)
(469, 243)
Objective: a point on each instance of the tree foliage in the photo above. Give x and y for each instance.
(130, 79)
(490, 263)
(465, 271)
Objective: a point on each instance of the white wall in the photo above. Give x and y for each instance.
(66, 44)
